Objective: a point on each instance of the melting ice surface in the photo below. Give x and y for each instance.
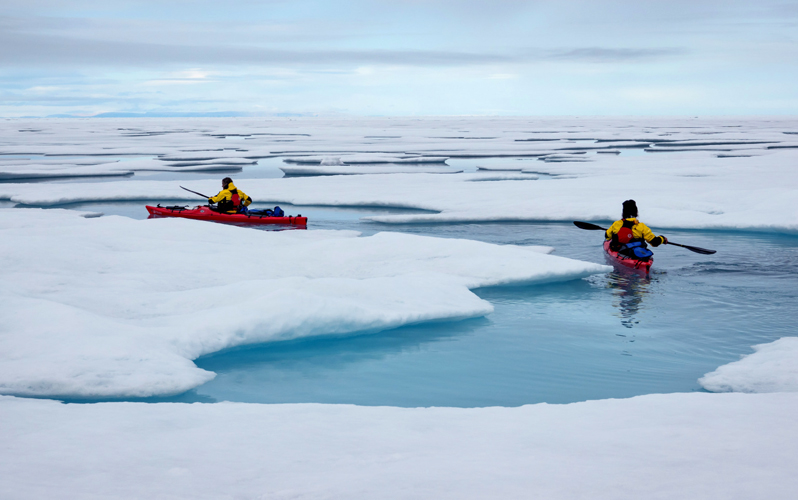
(615, 335)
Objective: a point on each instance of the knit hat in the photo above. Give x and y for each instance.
(629, 209)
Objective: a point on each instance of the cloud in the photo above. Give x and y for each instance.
(24, 49)
(395, 56)
(603, 55)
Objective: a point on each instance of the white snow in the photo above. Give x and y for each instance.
(773, 367)
(694, 446)
(359, 170)
(685, 190)
(37, 170)
(112, 306)
(692, 191)
(363, 159)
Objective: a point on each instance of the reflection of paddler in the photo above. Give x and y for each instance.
(628, 236)
(630, 288)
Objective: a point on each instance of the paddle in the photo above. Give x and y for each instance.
(190, 191)
(593, 227)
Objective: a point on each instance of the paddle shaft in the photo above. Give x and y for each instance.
(200, 194)
(592, 227)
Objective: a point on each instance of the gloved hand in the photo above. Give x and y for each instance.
(210, 201)
(659, 240)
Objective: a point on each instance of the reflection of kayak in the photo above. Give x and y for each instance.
(205, 213)
(623, 260)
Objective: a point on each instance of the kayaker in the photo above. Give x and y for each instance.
(628, 234)
(230, 199)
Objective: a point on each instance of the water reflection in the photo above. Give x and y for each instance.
(629, 289)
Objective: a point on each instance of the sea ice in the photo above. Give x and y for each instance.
(772, 368)
(370, 169)
(112, 307)
(695, 190)
(663, 446)
(36, 170)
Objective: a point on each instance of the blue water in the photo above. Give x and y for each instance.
(615, 335)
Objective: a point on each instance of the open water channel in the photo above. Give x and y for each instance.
(609, 336)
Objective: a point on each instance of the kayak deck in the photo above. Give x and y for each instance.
(630, 262)
(204, 213)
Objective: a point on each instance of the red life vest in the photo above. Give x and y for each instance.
(625, 234)
(235, 198)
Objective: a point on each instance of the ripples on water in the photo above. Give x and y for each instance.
(616, 335)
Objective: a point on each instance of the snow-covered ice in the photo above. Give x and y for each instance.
(772, 368)
(50, 171)
(359, 170)
(112, 307)
(692, 191)
(696, 446)
(719, 174)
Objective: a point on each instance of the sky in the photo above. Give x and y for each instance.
(399, 58)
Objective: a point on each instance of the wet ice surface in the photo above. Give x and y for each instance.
(617, 335)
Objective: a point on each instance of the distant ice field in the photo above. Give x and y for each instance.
(508, 183)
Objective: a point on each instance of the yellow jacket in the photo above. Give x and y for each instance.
(639, 231)
(225, 198)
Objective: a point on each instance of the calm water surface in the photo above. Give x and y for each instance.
(614, 335)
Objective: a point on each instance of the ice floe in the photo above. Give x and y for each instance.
(360, 170)
(696, 446)
(773, 367)
(112, 307)
(382, 139)
(29, 171)
(364, 159)
(695, 190)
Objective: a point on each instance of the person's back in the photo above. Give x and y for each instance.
(230, 199)
(629, 233)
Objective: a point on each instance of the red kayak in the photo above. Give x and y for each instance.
(205, 213)
(623, 260)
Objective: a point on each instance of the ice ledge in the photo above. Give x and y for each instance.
(696, 446)
(772, 367)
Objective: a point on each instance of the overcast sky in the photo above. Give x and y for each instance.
(410, 57)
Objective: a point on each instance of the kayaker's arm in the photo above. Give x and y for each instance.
(648, 235)
(613, 229)
(245, 200)
(216, 199)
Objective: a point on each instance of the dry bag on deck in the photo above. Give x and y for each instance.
(637, 249)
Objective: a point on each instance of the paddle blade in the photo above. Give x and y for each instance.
(703, 251)
(588, 226)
